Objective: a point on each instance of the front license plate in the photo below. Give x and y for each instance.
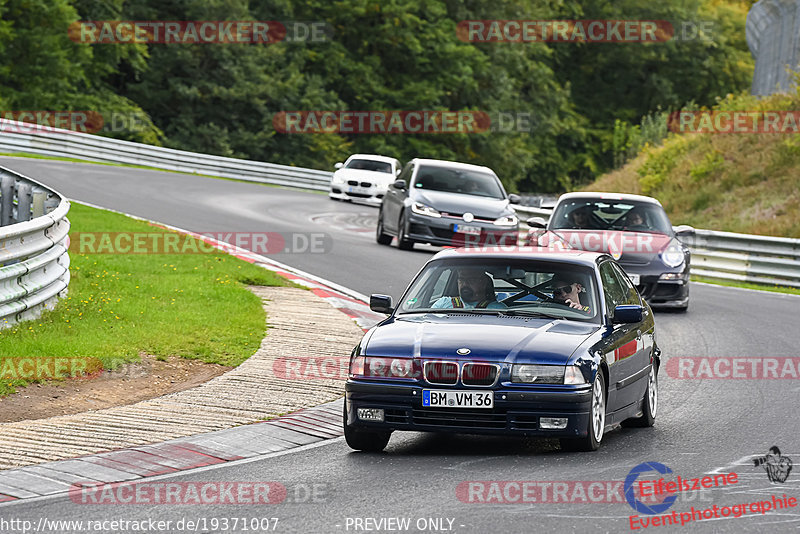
(359, 190)
(464, 229)
(433, 398)
(634, 278)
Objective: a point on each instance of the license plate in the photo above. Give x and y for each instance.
(469, 230)
(634, 278)
(433, 398)
(361, 190)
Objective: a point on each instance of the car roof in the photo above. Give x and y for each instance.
(376, 157)
(451, 164)
(607, 196)
(575, 257)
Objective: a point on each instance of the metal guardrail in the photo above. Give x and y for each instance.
(46, 141)
(34, 263)
(729, 256)
(718, 255)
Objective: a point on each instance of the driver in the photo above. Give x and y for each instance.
(580, 217)
(475, 290)
(635, 217)
(566, 291)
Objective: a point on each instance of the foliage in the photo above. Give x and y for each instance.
(736, 182)
(383, 55)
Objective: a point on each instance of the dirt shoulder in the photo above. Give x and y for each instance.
(130, 383)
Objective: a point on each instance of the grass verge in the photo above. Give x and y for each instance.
(190, 305)
(746, 285)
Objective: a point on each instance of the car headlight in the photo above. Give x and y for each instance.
(422, 209)
(672, 256)
(371, 366)
(506, 220)
(337, 179)
(537, 374)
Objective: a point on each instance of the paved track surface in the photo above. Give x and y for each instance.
(703, 425)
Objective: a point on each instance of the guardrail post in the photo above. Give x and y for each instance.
(39, 196)
(24, 202)
(7, 184)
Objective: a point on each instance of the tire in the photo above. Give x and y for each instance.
(403, 243)
(649, 403)
(364, 440)
(597, 421)
(380, 237)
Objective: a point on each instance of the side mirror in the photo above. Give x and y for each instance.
(514, 199)
(338, 165)
(399, 184)
(397, 171)
(381, 304)
(628, 313)
(537, 222)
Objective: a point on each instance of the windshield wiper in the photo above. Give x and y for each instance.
(529, 313)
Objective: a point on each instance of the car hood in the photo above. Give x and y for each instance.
(626, 247)
(365, 176)
(456, 203)
(492, 339)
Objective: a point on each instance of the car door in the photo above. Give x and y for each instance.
(393, 202)
(621, 344)
(645, 332)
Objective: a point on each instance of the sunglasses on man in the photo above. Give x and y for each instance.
(562, 289)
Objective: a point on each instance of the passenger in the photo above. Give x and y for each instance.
(475, 290)
(568, 292)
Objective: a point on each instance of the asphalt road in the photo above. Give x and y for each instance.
(702, 425)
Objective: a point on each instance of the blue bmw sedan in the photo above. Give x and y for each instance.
(555, 344)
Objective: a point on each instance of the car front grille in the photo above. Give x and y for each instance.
(491, 419)
(479, 374)
(352, 182)
(441, 373)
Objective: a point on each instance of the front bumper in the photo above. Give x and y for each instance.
(665, 293)
(516, 410)
(372, 195)
(439, 231)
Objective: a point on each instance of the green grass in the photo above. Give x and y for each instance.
(148, 168)
(746, 285)
(119, 305)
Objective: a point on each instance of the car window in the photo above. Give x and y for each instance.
(602, 214)
(369, 165)
(523, 286)
(613, 289)
(466, 182)
(631, 295)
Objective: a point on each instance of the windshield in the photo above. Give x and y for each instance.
(369, 165)
(513, 286)
(461, 181)
(580, 214)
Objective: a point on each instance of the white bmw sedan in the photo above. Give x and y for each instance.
(364, 177)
